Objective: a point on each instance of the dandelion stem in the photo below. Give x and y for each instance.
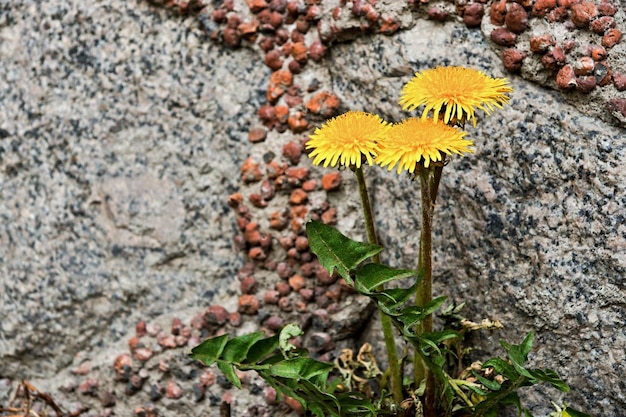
(429, 183)
(390, 343)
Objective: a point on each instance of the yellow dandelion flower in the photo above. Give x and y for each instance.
(456, 90)
(347, 138)
(416, 142)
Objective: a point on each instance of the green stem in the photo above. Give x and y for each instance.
(429, 182)
(390, 343)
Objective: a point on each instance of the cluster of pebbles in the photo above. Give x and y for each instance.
(572, 64)
(565, 44)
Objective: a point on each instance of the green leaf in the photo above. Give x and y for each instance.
(502, 367)
(210, 350)
(438, 337)
(476, 389)
(372, 276)
(491, 385)
(262, 349)
(335, 250)
(286, 333)
(300, 368)
(570, 412)
(527, 344)
(551, 377)
(229, 372)
(396, 297)
(237, 348)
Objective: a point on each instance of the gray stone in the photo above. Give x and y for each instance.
(122, 131)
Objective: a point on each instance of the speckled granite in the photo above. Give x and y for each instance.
(122, 132)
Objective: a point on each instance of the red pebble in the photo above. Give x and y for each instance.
(567, 3)
(309, 185)
(256, 5)
(503, 37)
(300, 52)
(512, 59)
(299, 173)
(298, 196)
(257, 134)
(270, 396)
(619, 81)
(602, 24)
(216, 315)
(297, 282)
(498, 13)
(586, 84)
(89, 387)
(248, 304)
(473, 15)
(331, 181)
(617, 107)
(302, 243)
(283, 288)
(231, 37)
(123, 366)
(234, 319)
(583, 13)
(598, 53)
(541, 44)
(542, 7)
(273, 59)
(516, 19)
(330, 216)
(251, 171)
(177, 326)
(324, 103)
(307, 294)
(279, 219)
(285, 304)
(557, 15)
(584, 66)
(611, 38)
(389, 25)
(565, 78)
(279, 82)
(257, 254)
(257, 201)
(437, 14)
(207, 378)
(606, 8)
(271, 297)
(140, 328)
(134, 343)
(173, 390)
(297, 122)
(274, 323)
(317, 50)
(248, 285)
(294, 404)
(292, 152)
(143, 354)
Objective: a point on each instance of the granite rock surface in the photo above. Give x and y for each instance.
(123, 129)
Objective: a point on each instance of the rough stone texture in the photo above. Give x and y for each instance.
(122, 132)
(116, 155)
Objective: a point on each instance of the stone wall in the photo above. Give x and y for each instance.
(124, 128)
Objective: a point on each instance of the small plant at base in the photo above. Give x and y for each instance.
(439, 386)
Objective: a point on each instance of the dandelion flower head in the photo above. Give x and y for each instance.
(456, 90)
(416, 142)
(347, 138)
